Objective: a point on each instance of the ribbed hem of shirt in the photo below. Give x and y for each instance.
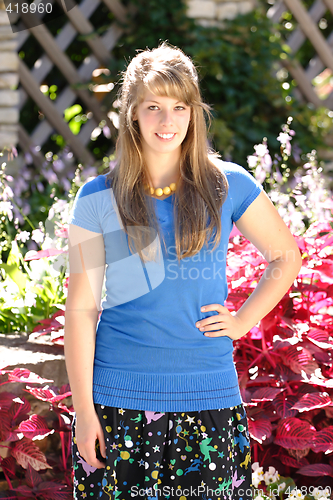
(166, 392)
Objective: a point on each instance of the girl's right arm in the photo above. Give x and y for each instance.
(87, 266)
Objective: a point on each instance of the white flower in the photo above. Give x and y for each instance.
(252, 161)
(320, 494)
(281, 487)
(6, 208)
(296, 495)
(7, 193)
(261, 150)
(37, 236)
(23, 236)
(284, 138)
(257, 474)
(30, 299)
(271, 476)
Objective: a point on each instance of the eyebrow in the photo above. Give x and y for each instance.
(157, 102)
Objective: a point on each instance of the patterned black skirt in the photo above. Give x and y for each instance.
(186, 455)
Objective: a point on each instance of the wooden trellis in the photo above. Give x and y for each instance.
(54, 55)
(78, 23)
(308, 29)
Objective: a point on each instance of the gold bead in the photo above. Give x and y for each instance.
(173, 186)
(152, 190)
(166, 190)
(159, 192)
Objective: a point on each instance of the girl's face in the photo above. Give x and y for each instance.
(163, 123)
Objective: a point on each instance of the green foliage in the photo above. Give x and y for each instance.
(73, 115)
(237, 66)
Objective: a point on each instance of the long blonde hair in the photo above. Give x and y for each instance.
(201, 191)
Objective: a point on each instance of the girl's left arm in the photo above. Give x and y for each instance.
(262, 225)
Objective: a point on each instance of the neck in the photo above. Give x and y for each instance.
(163, 169)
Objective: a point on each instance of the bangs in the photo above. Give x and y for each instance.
(170, 84)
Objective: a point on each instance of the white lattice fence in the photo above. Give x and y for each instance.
(308, 29)
(100, 50)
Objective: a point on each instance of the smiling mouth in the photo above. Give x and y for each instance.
(166, 137)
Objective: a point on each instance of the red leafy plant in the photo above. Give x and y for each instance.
(285, 364)
(35, 467)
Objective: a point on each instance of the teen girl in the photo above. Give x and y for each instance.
(158, 408)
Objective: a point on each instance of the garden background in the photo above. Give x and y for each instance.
(266, 69)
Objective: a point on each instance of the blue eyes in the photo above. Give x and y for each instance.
(154, 108)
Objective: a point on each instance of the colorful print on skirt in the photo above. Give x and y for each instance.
(185, 455)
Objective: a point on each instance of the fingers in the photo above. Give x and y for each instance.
(89, 455)
(216, 319)
(213, 307)
(101, 441)
(216, 325)
(87, 435)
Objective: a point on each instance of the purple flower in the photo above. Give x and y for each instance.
(266, 162)
(58, 165)
(67, 185)
(28, 158)
(106, 132)
(50, 176)
(260, 174)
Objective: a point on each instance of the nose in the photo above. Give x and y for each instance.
(166, 117)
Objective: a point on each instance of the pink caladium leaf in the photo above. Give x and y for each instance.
(5, 426)
(266, 393)
(35, 427)
(285, 374)
(294, 433)
(323, 440)
(319, 304)
(6, 400)
(53, 490)
(49, 252)
(47, 394)
(326, 270)
(44, 490)
(26, 376)
(320, 338)
(316, 470)
(312, 401)
(32, 477)
(292, 462)
(8, 465)
(283, 404)
(26, 452)
(299, 359)
(48, 325)
(260, 429)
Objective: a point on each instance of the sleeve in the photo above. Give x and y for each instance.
(86, 211)
(243, 189)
